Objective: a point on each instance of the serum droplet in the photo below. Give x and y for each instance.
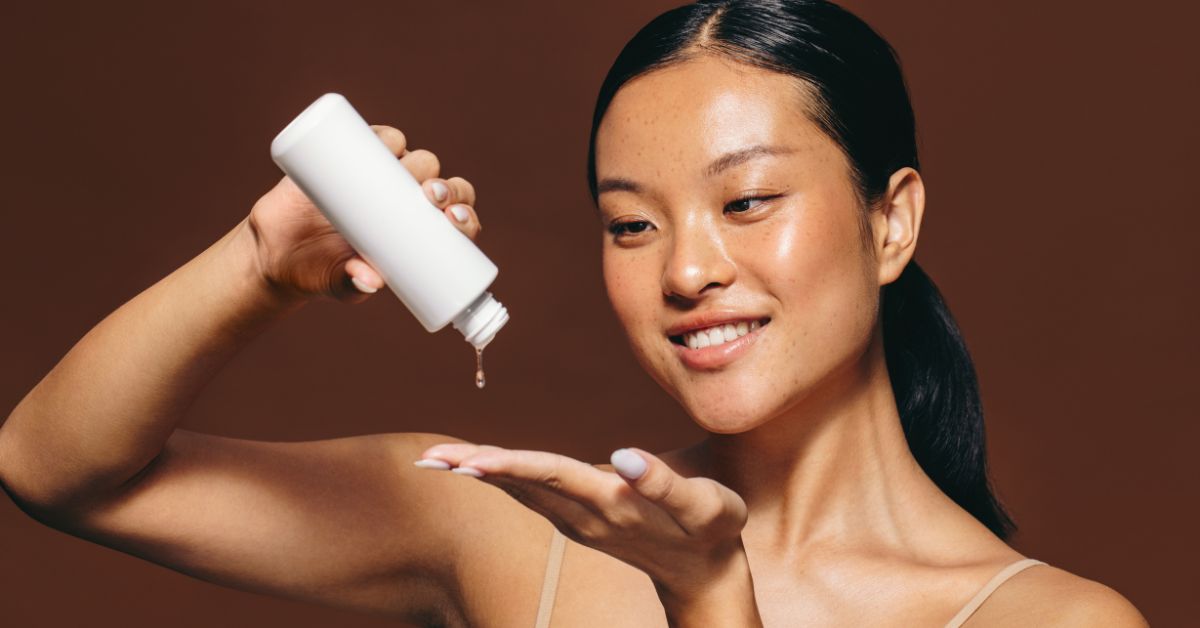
(479, 379)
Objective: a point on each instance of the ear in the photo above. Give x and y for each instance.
(897, 222)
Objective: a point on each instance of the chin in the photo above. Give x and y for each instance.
(731, 402)
(723, 411)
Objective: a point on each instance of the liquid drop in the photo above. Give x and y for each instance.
(479, 380)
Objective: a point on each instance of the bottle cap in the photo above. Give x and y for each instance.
(480, 321)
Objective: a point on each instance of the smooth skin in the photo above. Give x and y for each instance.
(840, 526)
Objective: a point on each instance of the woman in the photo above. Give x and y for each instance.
(755, 171)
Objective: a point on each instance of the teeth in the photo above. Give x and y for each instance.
(720, 334)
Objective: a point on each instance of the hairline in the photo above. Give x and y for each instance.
(812, 105)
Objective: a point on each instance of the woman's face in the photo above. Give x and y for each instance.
(732, 251)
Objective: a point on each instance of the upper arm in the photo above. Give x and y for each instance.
(345, 522)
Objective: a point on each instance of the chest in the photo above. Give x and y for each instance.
(594, 590)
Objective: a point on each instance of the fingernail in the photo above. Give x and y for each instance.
(471, 471)
(430, 463)
(440, 191)
(460, 213)
(628, 463)
(362, 286)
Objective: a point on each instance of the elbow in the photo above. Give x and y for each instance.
(49, 488)
(41, 506)
(15, 487)
(7, 483)
(19, 481)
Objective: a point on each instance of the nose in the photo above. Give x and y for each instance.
(698, 264)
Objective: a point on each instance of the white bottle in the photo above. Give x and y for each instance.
(356, 181)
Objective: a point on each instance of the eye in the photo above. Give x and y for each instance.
(629, 227)
(743, 205)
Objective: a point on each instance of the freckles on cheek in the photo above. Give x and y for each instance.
(782, 248)
(635, 304)
(789, 255)
(810, 263)
(625, 281)
(832, 293)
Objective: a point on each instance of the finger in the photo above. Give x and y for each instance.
(596, 490)
(464, 217)
(438, 192)
(461, 191)
(393, 138)
(699, 505)
(422, 164)
(574, 519)
(559, 473)
(617, 510)
(444, 192)
(364, 276)
(469, 458)
(453, 453)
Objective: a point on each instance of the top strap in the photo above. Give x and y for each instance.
(997, 580)
(550, 580)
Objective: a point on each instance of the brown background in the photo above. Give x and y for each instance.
(1059, 145)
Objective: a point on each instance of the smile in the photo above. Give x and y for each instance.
(718, 345)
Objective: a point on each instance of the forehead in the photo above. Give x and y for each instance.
(696, 110)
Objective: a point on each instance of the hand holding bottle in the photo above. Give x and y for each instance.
(301, 254)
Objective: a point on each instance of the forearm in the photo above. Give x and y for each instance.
(726, 601)
(105, 411)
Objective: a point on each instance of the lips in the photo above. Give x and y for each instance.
(713, 341)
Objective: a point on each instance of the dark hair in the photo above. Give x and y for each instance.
(858, 97)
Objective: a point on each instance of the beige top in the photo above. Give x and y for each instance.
(558, 544)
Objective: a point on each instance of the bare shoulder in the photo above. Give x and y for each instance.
(1045, 595)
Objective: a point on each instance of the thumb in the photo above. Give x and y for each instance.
(653, 479)
(364, 277)
(696, 504)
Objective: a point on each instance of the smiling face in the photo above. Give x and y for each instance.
(733, 255)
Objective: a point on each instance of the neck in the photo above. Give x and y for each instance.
(834, 469)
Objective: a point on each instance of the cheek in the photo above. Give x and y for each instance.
(814, 266)
(631, 285)
(634, 289)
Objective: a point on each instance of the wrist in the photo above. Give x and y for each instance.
(260, 300)
(725, 600)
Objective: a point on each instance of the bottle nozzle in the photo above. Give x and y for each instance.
(480, 321)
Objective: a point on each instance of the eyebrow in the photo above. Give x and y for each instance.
(718, 165)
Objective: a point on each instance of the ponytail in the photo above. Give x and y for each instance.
(937, 394)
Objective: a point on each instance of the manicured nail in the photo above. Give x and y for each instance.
(362, 286)
(440, 191)
(460, 213)
(628, 463)
(471, 471)
(430, 463)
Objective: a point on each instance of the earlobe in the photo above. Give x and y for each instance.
(903, 208)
